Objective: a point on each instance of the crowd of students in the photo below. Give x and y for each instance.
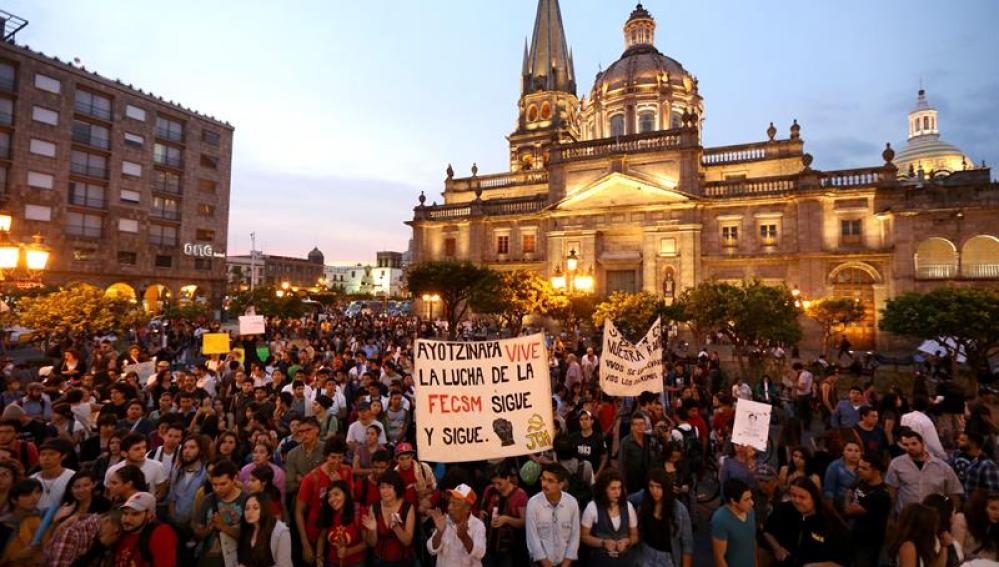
(297, 448)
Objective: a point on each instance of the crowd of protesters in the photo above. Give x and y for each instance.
(297, 448)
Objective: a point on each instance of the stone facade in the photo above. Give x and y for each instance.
(130, 191)
(652, 209)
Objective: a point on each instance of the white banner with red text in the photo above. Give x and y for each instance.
(482, 400)
(627, 369)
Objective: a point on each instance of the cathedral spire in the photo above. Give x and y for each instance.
(549, 63)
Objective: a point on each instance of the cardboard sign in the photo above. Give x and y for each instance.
(215, 343)
(482, 400)
(144, 370)
(752, 424)
(251, 325)
(627, 369)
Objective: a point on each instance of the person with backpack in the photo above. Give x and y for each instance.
(145, 541)
(217, 523)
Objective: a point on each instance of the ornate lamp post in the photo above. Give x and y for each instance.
(572, 281)
(21, 263)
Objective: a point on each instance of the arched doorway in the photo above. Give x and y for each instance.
(122, 290)
(980, 257)
(857, 283)
(156, 297)
(191, 293)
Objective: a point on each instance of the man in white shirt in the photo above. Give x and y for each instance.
(133, 447)
(459, 539)
(590, 364)
(52, 475)
(356, 431)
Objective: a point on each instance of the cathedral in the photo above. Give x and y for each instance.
(615, 192)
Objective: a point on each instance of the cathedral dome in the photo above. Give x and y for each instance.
(643, 91)
(925, 150)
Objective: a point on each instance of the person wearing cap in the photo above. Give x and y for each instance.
(53, 476)
(459, 539)
(137, 514)
(421, 484)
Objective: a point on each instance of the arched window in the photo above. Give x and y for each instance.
(980, 257)
(646, 121)
(936, 258)
(926, 123)
(532, 113)
(546, 111)
(617, 125)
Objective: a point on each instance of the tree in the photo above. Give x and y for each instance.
(516, 295)
(833, 312)
(457, 283)
(187, 311)
(81, 310)
(265, 301)
(959, 319)
(632, 313)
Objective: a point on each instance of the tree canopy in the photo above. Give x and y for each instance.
(266, 302)
(632, 313)
(834, 312)
(78, 310)
(517, 294)
(457, 284)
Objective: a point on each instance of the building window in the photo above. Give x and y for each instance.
(40, 180)
(529, 243)
(128, 258)
(84, 254)
(134, 140)
(850, 231)
(617, 125)
(532, 113)
(162, 235)
(206, 210)
(646, 121)
(210, 138)
(80, 224)
(164, 261)
(202, 264)
(84, 163)
(730, 235)
(93, 105)
(169, 129)
(91, 135)
(667, 247)
(768, 234)
(165, 208)
(46, 83)
(450, 248)
(7, 77)
(7, 111)
(204, 235)
(503, 244)
(167, 155)
(5, 145)
(211, 162)
(37, 213)
(166, 181)
(546, 111)
(132, 169)
(38, 113)
(37, 147)
(86, 195)
(128, 225)
(207, 185)
(129, 196)
(135, 113)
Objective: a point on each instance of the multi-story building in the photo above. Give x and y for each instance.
(385, 279)
(620, 182)
(268, 269)
(131, 191)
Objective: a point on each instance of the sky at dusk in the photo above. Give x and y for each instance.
(344, 111)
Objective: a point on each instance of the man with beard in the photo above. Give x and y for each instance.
(185, 480)
(138, 522)
(976, 470)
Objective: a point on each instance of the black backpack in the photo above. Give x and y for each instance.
(693, 450)
(581, 490)
(185, 554)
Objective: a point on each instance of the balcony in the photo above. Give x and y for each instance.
(87, 201)
(750, 187)
(980, 271)
(936, 271)
(174, 162)
(499, 207)
(169, 134)
(630, 144)
(498, 181)
(89, 170)
(173, 188)
(83, 136)
(751, 152)
(165, 215)
(92, 110)
(857, 177)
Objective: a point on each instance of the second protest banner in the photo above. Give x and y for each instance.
(627, 369)
(482, 400)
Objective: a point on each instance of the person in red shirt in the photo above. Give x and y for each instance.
(311, 493)
(24, 452)
(341, 539)
(503, 511)
(366, 488)
(138, 515)
(421, 484)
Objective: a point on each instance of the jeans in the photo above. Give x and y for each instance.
(654, 558)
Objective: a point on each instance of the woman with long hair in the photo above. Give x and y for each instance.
(664, 525)
(261, 481)
(227, 447)
(80, 503)
(916, 543)
(952, 528)
(125, 482)
(609, 524)
(800, 466)
(262, 455)
(363, 452)
(264, 541)
(111, 456)
(11, 472)
(390, 524)
(982, 538)
(340, 540)
(806, 529)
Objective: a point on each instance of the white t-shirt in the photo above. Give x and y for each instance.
(52, 490)
(589, 517)
(356, 432)
(154, 471)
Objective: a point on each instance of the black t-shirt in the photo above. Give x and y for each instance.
(869, 529)
(590, 448)
(875, 441)
(811, 539)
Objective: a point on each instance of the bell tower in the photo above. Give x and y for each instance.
(548, 103)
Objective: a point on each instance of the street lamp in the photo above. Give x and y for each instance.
(429, 300)
(36, 253)
(285, 285)
(572, 281)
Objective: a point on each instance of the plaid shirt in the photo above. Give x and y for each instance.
(976, 473)
(72, 541)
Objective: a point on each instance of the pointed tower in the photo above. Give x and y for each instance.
(548, 103)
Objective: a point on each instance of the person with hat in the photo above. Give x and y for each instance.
(138, 523)
(52, 476)
(36, 403)
(421, 484)
(459, 539)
